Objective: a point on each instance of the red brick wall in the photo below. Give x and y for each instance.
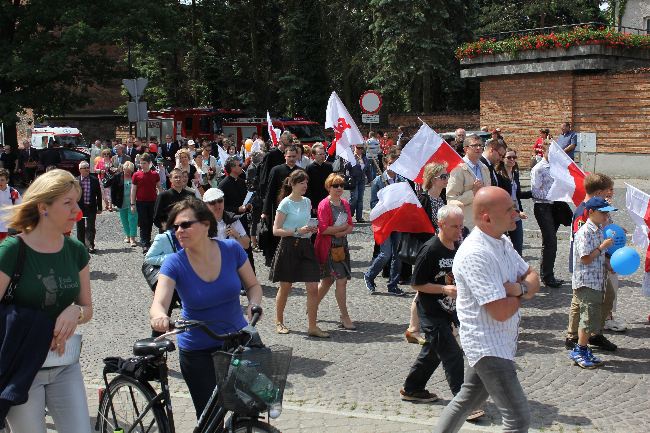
(522, 104)
(615, 106)
(441, 122)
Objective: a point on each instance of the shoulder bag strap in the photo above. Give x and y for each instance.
(18, 270)
(171, 241)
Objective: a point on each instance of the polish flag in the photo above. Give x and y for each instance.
(568, 178)
(223, 155)
(274, 133)
(638, 208)
(426, 146)
(398, 210)
(346, 133)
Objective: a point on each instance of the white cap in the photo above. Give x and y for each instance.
(190, 142)
(212, 194)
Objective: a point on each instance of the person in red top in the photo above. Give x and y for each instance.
(386, 143)
(144, 190)
(538, 148)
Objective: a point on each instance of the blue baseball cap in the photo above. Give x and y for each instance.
(599, 204)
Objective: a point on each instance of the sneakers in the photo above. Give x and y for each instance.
(570, 343)
(396, 291)
(584, 358)
(614, 325)
(602, 343)
(423, 396)
(370, 285)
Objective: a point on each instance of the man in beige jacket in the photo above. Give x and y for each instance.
(469, 177)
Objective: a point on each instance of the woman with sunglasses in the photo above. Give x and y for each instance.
(508, 174)
(294, 260)
(228, 225)
(434, 182)
(104, 168)
(331, 246)
(208, 275)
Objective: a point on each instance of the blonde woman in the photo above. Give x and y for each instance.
(104, 168)
(121, 197)
(184, 162)
(56, 281)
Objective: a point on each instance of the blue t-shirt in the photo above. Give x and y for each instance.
(563, 140)
(216, 302)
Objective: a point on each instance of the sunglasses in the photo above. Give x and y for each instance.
(511, 157)
(337, 185)
(475, 145)
(443, 176)
(184, 225)
(213, 202)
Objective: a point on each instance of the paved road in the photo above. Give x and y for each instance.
(351, 382)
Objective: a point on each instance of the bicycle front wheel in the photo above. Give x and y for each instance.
(130, 398)
(253, 426)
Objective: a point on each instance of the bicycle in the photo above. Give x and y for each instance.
(250, 381)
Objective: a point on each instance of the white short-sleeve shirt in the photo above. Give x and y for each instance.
(481, 266)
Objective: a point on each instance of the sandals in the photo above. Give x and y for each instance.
(350, 327)
(413, 339)
(280, 328)
(475, 414)
(318, 333)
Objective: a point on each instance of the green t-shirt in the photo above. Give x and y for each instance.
(49, 281)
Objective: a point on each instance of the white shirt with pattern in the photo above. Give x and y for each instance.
(541, 181)
(585, 241)
(481, 266)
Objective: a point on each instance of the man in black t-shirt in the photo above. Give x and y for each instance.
(434, 282)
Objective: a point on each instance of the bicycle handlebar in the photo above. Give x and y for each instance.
(183, 325)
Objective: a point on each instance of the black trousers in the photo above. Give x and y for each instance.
(86, 226)
(198, 371)
(548, 226)
(145, 220)
(441, 347)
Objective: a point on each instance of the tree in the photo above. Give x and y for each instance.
(53, 50)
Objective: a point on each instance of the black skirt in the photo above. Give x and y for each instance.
(295, 262)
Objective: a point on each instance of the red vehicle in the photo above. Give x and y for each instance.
(200, 123)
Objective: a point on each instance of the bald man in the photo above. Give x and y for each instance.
(492, 280)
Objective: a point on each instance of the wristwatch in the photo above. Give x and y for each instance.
(524, 288)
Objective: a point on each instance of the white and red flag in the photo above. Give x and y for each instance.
(223, 155)
(569, 179)
(426, 146)
(346, 133)
(274, 133)
(398, 210)
(638, 207)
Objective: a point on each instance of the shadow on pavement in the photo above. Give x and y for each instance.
(104, 276)
(308, 367)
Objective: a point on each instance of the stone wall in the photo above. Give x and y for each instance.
(614, 105)
(634, 14)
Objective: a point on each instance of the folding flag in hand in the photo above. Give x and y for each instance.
(346, 133)
(569, 179)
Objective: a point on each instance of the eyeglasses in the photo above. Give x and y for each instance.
(184, 225)
(443, 176)
(213, 202)
(84, 168)
(513, 157)
(475, 145)
(337, 185)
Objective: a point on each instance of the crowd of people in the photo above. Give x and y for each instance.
(287, 202)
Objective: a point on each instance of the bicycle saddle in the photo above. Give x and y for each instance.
(148, 346)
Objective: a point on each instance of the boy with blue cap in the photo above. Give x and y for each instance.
(588, 280)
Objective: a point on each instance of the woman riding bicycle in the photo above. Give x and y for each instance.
(207, 275)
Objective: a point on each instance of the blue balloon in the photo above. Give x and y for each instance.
(625, 261)
(618, 234)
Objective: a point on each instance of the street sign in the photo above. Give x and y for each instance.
(137, 111)
(136, 87)
(370, 102)
(370, 118)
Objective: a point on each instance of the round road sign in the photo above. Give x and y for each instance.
(370, 101)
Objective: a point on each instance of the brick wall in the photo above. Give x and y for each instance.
(614, 105)
(441, 122)
(522, 104)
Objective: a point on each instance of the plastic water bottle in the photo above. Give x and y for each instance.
(258, 383)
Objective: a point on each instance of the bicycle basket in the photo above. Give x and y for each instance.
(249, 382)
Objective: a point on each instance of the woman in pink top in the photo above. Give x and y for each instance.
(103, 167)
(331, 246)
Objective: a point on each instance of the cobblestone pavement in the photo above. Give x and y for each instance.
(351, 382)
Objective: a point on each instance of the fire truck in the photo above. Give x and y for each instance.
(208, 123)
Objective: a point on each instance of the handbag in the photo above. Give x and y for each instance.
(70, 355)
(338, 253)
(409, 246)
(151, 272)
(108, 179)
